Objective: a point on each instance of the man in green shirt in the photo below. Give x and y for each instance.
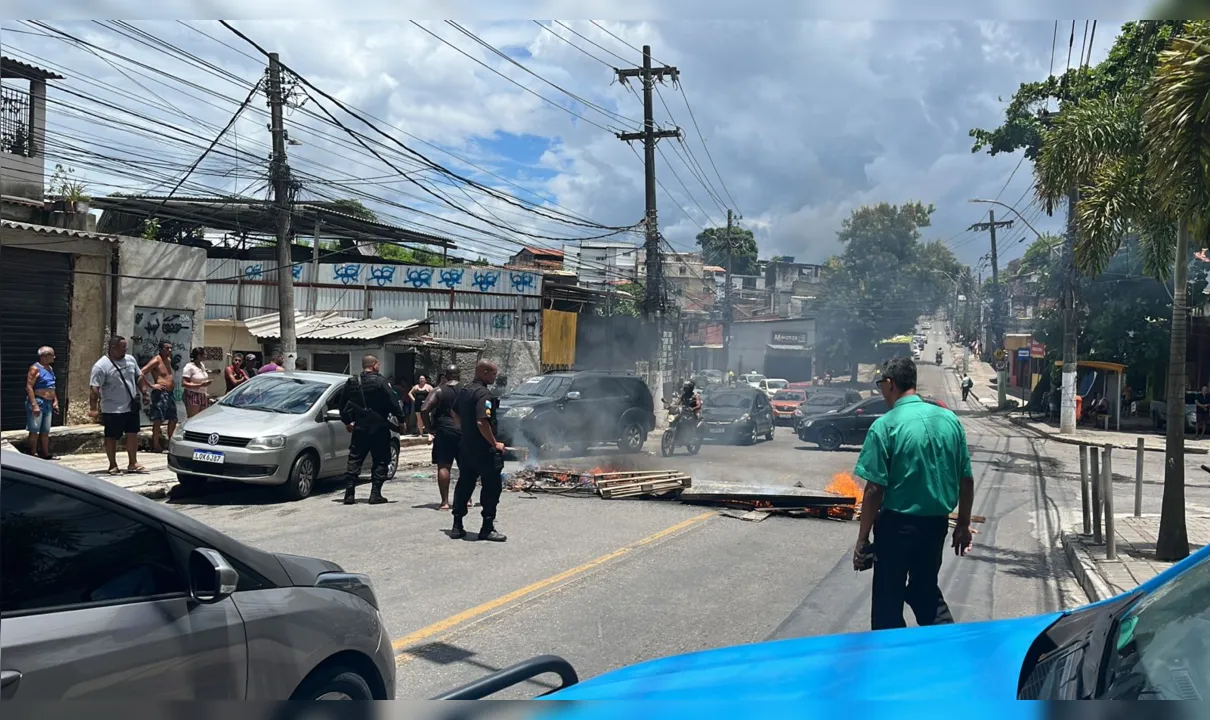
(917, 468)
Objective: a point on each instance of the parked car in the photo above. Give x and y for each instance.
(822, 400)
(1159, 413)
(772, 385)
(577, 409)
(106, 595)
(709, 377)
(275, 429)
(847, 426)
(785, 402)
(753, 380)
(1145, 644)
(740, 414)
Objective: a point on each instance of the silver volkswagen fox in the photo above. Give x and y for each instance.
(276, 429)
(106, 595)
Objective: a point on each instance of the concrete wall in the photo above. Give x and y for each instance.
(175, 263)
(749, 341)
(88, 332)
(24, 176)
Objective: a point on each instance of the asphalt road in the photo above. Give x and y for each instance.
(610, 583)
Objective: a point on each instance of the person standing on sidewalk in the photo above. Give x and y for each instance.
(235, 375)
(438, 414)
(116, 386)
(967, 384)
(41, 402)
(157, 373)
(917, 468)
(194, 380)
(481, 456)
(367, 408)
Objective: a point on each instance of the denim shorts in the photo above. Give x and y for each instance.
(38, 424)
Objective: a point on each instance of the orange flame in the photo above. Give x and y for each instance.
(845, 485)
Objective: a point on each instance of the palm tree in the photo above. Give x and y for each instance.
(1141, 163)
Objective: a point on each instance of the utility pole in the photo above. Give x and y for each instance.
(653, 297)
(1067, 399)
(727, 313)
(279, 170)
(997, 304)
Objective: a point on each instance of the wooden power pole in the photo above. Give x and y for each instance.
(998, 314)
(653, 296)
(283, 202)
(727, 312)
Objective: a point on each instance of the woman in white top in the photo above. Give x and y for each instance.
(194, 380)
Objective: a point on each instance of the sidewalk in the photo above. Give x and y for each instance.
(984, 375)
(1118, 440)
(1135, 564)
(73, 439)
(158, 481)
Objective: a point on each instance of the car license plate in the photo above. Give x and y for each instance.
(718, 431)
(208, 456)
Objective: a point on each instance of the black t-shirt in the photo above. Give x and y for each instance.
(475, 403)
(1204, 399)
(374, 395)
(444, 407)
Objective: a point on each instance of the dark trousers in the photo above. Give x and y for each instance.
(965, 391)
(908, 551)
(375, 444)
(485, 470)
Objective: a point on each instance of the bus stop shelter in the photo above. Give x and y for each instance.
(1118, 370)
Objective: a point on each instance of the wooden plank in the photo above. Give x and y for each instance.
(645, 489)
(671, 483)
(642, 476)
(655, 478)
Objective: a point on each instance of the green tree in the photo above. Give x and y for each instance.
(353, 206)
(1140, 163)
(624, 306)
(875, 288)
(741, 247)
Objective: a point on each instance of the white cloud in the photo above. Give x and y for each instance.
(805, 120)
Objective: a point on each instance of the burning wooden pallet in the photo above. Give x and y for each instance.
(621, 484)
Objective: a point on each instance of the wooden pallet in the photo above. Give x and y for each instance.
(634, 486)
(609, 482)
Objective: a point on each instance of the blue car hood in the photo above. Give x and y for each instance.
(963, 661)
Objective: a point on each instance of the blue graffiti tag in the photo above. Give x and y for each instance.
(521, 281)
(383, 274)
(485, 281)
(420, 277)
(253, 272)
(347, 274)
(452, 278)
(296, 271)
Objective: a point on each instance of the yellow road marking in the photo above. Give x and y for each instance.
(454, 620)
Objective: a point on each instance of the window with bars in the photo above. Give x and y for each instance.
(15, 136)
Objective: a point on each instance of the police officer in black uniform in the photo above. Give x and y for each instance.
(438, 413)
(481, 456)
(367, 407)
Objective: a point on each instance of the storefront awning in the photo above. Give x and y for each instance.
(788, 348)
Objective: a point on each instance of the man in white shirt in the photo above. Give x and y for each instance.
(118, 390)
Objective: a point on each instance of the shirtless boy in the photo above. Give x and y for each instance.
(158, 373)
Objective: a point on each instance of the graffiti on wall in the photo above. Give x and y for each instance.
(155, 325)
(466, 279)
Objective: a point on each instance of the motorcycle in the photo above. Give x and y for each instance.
(682, 430)
(938, 359)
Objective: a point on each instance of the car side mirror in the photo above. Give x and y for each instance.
(211, 577)
(332, 416)
(573, 395)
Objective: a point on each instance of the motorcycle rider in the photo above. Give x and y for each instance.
(690, 400)
(938, 356)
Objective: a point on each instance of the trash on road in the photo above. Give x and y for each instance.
(607, 484)
(787, 500)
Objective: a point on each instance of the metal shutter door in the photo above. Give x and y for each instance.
(35, 311)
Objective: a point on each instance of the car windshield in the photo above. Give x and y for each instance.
(729, 400)
(777, 384)
(276, 394)
(789, 396)
(1161, 650)
(550, 386)
(826, 400)
(755, 378)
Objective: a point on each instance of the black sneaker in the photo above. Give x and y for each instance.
(350, 496)
(492, 535)
(377, 500)
(458, 532)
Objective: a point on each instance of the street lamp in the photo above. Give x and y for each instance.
(1010, 207)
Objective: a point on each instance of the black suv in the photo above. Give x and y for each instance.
(577, 409)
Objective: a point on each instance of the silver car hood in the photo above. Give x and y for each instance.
(238, 422)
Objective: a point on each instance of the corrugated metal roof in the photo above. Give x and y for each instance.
(11, 67)
(330, 326)
(61, 232)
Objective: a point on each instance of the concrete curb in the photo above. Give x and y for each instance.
(159, 489)
(1085, 569)
(1117, 445)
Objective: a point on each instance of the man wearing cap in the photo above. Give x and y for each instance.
(917, 469)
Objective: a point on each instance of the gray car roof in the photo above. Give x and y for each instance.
(260, 561)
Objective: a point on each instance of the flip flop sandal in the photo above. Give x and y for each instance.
(136, 470)
(115, 470)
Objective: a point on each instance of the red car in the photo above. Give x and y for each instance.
(785, 402)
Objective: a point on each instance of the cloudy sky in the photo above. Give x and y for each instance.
(804, 120)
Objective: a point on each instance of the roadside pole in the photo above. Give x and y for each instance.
(1111, 544)
(283, 201)
(1138, 479)
(1086, 511)
(1094, 465)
